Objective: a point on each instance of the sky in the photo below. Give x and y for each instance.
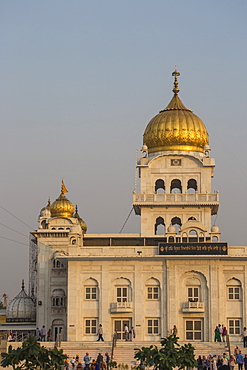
(80, 80)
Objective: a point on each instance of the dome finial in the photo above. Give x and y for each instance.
(22, 285)
(175, 74)
(63, 188)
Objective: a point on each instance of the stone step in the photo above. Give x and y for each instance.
(124, 351)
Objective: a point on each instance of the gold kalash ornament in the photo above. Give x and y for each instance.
(175, 127)
(62, 207)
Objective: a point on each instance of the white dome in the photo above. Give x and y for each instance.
(21, 308)
(215, 229)
(45, 213)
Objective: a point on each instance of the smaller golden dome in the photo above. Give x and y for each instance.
(62, 207)
(82, 223)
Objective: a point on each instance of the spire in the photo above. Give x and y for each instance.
(176, 89)
(175, 103)
(63, 188)
(76, 212)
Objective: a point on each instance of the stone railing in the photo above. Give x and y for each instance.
(176, 197)
(193, 306)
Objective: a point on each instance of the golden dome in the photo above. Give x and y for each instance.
(82, 223)
(175, 128)
(62, 207)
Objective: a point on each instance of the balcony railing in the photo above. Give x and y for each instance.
(117, 307)
(176, 197)
(193, 306)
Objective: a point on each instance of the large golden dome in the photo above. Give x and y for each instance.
(175, 128)
(62, 207)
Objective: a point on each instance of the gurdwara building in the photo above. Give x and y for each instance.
(176, 271)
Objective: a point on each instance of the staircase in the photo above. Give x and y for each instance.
(124, 351)
(93, 348)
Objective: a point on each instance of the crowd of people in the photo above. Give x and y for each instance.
(129, 334)
(42, 336)
(88, 363)
(220, 333)
(223, 362)
(46, 336)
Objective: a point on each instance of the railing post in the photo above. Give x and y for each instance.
(228, 343)
(114, 342)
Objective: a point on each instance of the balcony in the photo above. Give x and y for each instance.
(176, 200)
(188, 307)
(121, 307)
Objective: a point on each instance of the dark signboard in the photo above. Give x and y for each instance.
(192, 248)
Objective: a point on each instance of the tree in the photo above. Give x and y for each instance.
(33, 356)
(169, 356)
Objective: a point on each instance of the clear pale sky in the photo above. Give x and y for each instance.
(80, 80)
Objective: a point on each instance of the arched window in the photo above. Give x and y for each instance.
(184, 238)
(193, 286)
(192, 186)
(193, 232)
(176, 186)
(57, 264)
(153, 289)
(176, 221)
(44, 224)
(159, 186)
(122, 290)
(91, 289)
(159, 226)
(201, 237)
(215, 238)
(58, 298)
(234, 289)
(73, 240)
(193, 236)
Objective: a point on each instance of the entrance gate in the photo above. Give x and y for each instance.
(119, 325)
(193, 330)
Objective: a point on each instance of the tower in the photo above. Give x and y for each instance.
(175, 171)
(60, 233)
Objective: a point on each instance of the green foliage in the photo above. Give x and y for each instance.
(186, 357)
(113, 364)
(123, 367)
(33, 356)
(169, 356)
